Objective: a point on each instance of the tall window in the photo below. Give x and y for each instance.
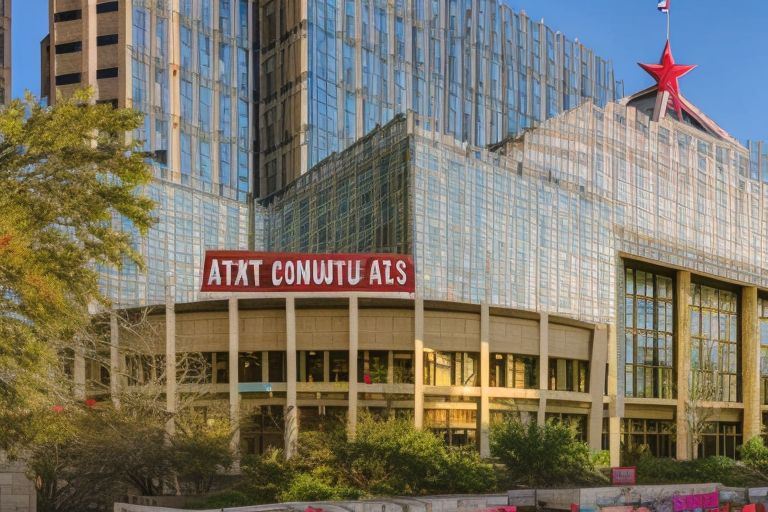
(205, 109)
(225, 164)
(648, 331)
(225, 114)
(657, 435)
(225, 63)
(249, 364)
(205, 14)
(721, 438)
(139, 28)
(451, 368)
(186, 47)
(205, 161)
(186, 100)
(204, 54)
(225, 17)
(310, 366)
(514, 371)
(763, 311)
(372, 366)
(569, 375)
(714, 348)
(140, 93)
(186, 157)
(161, 37)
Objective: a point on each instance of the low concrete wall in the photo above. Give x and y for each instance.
(17, 492)
(599, 497)
(421, 504)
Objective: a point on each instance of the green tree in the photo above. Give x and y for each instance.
(754, 454)
(392, 457)
(541, 456)
(65, 172)
(201, 450)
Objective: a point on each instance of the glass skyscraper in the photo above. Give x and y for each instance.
(187, 66)
(229, 86)
(331, 70)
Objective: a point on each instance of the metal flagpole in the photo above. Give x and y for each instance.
(668, 10)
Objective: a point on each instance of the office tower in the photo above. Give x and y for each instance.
(187, 66)
(5, 51)
(331, 70)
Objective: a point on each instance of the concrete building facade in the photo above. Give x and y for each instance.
(332, 70)
(601, 269)
(235, 108)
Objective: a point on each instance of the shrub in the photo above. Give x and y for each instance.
(307, 487)
(651, 470)
(265, 477)
(754, 453)
(601, 459)
(542, 456)
(465, 472)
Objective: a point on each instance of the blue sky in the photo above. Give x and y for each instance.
(727, 39)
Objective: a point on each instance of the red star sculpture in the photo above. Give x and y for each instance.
(666, 74)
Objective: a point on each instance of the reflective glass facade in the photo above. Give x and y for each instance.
(189, 222)
(209, 148)
(189, 72)
(477, 71)
(539, 223)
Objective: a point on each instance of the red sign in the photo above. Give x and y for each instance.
(624, 476)
(259, 272)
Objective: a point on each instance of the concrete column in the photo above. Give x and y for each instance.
(485, 359)
(616, 403)
(79, 372)
(543, 367)
(750, 362)
(418, 364)
(114, 359)
(174, 90)
(353, 344)
(683, 359)
(88, 53)
(170, 351)
(597, 385)
(234, 391)
(264, 366)
(291, 412)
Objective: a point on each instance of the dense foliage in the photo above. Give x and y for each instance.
(385, 458)
(65, 171)
(89, 457)
(542, 455)
(724, 470)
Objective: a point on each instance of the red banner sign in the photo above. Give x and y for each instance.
(258, 272)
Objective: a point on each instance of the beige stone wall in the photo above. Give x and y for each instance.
(202, 332)
(569, 342)
(262, 330)
(449, 330)
(514, 335)
(324, 329)
(386, 329)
